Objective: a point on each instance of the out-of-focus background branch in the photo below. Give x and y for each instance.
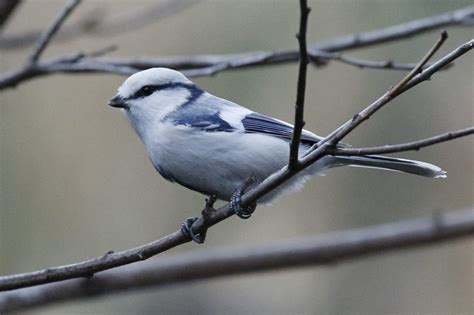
(19, 182)
(205, 65)
(322, 250)
(96, 22)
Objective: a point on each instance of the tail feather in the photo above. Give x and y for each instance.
(393, 164)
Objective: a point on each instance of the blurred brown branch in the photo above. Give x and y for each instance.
(320, 250)
(205, 65)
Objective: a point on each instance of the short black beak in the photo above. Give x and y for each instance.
(117, 101)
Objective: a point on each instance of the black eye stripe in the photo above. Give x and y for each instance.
(150, 89)
(145, 91)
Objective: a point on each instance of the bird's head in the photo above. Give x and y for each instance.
(153, 93)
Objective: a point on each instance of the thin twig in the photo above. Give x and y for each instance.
(301, 86)
(111, 260)
(359, 118)
(418, 68)
(402, 147)
(319, 57)
(320, 250)
(439, 65)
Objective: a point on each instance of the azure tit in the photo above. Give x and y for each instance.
(219, 148)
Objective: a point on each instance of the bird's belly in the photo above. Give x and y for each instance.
(219, 162)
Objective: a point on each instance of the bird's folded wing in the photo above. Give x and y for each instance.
(205, 122)
(258, 123)
(251, 122)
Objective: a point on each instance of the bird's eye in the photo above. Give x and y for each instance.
(146, 90)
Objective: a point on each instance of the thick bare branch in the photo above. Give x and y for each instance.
(111, 260)
(330, 248)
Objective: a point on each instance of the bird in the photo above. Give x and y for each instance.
(219, 148)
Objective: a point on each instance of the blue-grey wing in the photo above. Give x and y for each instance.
(220, 115)
(258, 123)
(211, 122)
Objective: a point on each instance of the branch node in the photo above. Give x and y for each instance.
(356, 117)
(108, 253)
(209, 207)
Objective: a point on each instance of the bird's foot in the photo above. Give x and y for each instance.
(187, 226)
(236, 201)
(187, 230)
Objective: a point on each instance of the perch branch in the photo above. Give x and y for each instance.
(320, 250)
(110, 259)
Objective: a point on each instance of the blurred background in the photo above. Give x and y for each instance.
(76, 182)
